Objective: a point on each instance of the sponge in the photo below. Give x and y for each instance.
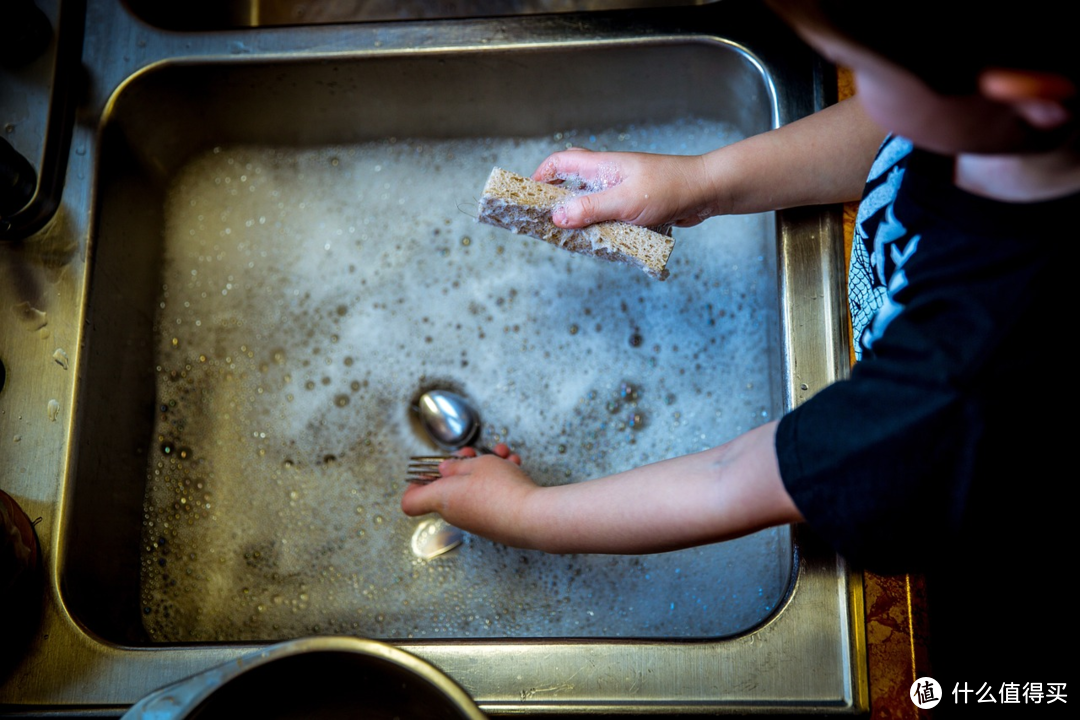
(524, 206)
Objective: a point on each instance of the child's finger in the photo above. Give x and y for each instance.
(574, 161)
(503, 451)
(454, 466)
(583, 210)
(417, 500)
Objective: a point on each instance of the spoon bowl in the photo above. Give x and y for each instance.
(449, 419)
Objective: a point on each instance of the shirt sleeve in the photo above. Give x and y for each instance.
(919, 449)
(870, 458)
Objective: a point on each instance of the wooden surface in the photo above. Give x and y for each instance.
(897, 635)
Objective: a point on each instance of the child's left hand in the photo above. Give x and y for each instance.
(480, 494)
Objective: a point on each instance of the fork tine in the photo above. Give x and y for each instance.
(420, 479)
(428, 468)
(424, 469)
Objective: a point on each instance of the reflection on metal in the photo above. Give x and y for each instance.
(90, 655)
(314, 678)
(219, 14)
(449, 419)
(37, 112)
(434, 537)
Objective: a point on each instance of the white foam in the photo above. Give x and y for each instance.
(311, 294)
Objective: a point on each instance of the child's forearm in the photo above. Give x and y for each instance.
(714, 495)
(823, 158)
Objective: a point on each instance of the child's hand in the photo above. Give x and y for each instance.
(639, 188)
(480, 494)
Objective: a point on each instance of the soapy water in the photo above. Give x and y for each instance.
(309, 295)
(607, 175)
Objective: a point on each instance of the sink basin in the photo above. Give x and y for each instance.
(270, 251)
(287, 260)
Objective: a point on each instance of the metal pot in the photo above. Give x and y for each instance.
(316, 678)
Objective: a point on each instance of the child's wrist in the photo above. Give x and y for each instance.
(532, 523)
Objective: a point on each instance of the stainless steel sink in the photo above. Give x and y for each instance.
(266, 252)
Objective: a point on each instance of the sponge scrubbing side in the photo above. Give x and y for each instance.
(524, 206)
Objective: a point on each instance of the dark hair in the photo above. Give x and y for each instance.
(948, 44)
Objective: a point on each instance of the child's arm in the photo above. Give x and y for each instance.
(823, 158)
(709, 496)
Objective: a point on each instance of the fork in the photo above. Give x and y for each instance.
(424, 469)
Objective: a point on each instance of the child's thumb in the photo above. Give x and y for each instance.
(577, 212)
(417, 500)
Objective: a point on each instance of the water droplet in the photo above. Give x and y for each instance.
(60, 357)
(31, 317)
(636, 340)
(53, 410)
(341, 400)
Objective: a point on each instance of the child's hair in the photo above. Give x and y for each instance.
(947, 44)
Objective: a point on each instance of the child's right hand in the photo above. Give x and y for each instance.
(640, 188)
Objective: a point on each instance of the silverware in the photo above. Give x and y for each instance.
(424, 469)
(449, 419)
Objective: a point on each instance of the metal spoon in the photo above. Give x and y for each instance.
(452, 422)
(449, 419)
(434, 537)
